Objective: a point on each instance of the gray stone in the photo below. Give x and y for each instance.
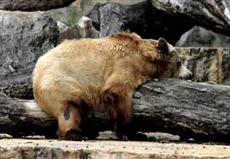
(201, 37)
(72, 13)
(24, 36)
(87, 29)
(213, 15)
(83, 29)
(32, 5)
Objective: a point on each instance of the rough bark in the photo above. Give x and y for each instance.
(189, 109)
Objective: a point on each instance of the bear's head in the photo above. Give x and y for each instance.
(166, 61)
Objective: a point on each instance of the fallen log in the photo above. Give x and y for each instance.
(189, 109)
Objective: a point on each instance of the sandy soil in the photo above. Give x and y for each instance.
(108, 148)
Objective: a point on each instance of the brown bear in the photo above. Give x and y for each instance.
(88, 74)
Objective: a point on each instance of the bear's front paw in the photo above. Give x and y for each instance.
(72, 134)
(122, 136)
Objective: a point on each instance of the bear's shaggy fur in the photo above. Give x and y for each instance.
(88, 74)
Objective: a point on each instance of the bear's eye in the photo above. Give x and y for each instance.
(171, 55)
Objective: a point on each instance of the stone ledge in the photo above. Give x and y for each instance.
(21, 148)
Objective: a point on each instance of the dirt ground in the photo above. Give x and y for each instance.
(27, 148)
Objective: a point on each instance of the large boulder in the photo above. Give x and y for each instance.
(32, 5)
(24, 36)
(201, 37)
(213, 15)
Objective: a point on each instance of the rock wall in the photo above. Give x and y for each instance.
(208, 64)
(24, 36)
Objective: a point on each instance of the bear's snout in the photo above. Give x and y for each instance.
(185, 73)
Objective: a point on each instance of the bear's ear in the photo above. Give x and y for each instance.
(163, 46)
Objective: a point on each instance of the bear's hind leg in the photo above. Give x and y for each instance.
(69, 121)
(119, 104)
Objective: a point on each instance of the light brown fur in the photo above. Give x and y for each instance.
(98, 72)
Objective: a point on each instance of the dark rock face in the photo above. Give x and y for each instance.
(23, 38)
(141, 18)
(213, 15)
(150, 22)
(160, 18)
(32, 5)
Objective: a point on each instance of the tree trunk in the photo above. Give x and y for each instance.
(189, 109)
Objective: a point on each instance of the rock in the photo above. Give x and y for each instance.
(213, 15)
(68, 15)
(69, 33)
(24, 36)
(162, 137)
(111, 19)
(160, 18)
(83, 29)
(208, 64)
(32, 5)
(62, 26)
(72, 13)
(141, 18)
(87, 28)
(201, 37)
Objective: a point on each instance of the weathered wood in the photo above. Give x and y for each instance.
(24, 117)
(189, 109)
